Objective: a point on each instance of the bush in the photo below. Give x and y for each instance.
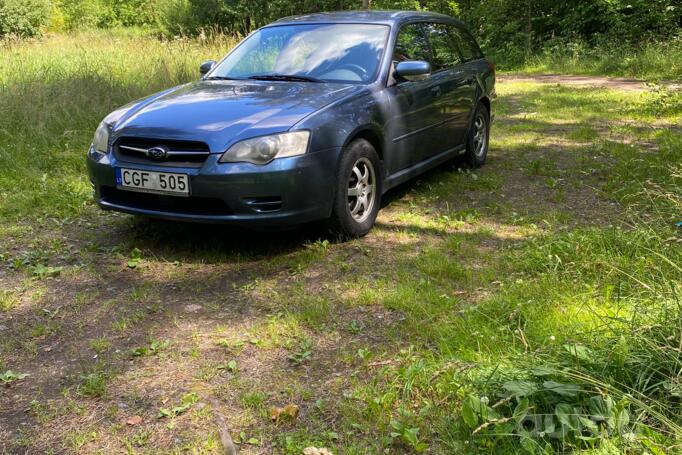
(110, 13)
(137, 12)
(177, 18)
(86, 13)
(23, 17)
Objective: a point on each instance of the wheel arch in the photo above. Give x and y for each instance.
(485, 100)
(371, 135)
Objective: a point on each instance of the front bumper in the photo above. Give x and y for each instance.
(285, 192)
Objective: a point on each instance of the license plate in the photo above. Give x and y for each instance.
(152, 182)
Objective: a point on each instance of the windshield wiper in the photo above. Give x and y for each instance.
(284, 77)
(223, 78)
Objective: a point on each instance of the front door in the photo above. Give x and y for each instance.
(414, 112)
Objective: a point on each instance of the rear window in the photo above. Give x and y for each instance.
(446, 53)
(466, 43)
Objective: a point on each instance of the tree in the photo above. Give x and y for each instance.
(23, 17)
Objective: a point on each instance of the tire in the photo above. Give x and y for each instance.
(477, 144)
(359, 172)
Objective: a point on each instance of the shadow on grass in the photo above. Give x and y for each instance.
(153, 300)
(219, 243)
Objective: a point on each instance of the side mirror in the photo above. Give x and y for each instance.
(415, 70)
(206, 67)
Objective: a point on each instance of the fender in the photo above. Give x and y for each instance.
(480, 95)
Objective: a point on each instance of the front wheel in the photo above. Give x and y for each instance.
(479, 137)
(358, 190)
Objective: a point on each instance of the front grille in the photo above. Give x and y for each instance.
(177, 153)
(186, 205)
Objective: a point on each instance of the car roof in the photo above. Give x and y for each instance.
(367, 16)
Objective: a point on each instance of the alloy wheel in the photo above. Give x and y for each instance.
(361, 190)
(480, 136)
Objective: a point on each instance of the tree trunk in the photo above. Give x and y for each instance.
(529, 29)
(366, 4)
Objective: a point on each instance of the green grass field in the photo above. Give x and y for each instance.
(530, 306)
(651, 61)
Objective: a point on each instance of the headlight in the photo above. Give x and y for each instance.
(101, 140)
(262, 150)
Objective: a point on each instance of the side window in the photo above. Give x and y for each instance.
(412, 44)
(466, 44)
(446, 53)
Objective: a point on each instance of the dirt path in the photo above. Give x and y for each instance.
(616, 83)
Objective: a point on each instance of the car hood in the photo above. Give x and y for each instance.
(220, 113)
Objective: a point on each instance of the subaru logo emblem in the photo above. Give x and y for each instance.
(158, 152)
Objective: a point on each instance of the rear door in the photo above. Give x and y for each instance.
(468, 69)
(456, 80)
(414, 113)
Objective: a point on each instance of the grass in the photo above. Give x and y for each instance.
(55, 91)
(93, 384)
(651, 60)
(530, 306)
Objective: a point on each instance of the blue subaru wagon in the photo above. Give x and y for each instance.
(309, 118)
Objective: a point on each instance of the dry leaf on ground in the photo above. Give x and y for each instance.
(135, 420)
(317, 451)
(287, 413)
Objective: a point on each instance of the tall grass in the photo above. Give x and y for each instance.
(611, 375)
(651, 60)
(53, 93)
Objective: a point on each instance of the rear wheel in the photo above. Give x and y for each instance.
(358, 190)
(479, 137)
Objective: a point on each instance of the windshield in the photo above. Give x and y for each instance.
(313, 52)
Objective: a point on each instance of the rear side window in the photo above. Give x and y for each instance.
(466, 44)
(412, 44)
(446, 52)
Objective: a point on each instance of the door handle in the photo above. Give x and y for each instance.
(435, 91)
